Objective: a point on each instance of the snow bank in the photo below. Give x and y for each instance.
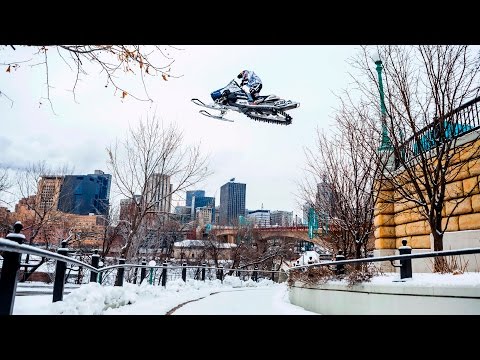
(95, 299)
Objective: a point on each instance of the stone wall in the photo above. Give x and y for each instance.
(396, 219)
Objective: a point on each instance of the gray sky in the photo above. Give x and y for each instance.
(268, 158)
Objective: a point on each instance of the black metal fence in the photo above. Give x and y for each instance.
(461, 121)
(13, 247)
(159, 274)
(405, 259)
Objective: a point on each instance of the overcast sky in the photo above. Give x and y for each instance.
(268, 158)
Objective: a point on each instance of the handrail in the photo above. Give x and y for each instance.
(181, 267)
(420, 142)
(465, 251)
(13, 246)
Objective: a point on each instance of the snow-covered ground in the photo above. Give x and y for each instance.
(264, 297)
(263, 301)
(232, 297)
(469, 279)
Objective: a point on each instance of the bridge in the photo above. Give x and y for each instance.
(229, 233)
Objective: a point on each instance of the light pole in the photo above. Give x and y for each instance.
(385, 144)
(151, 263)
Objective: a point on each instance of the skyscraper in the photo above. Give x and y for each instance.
(196, 193)
(159, 192)
(260, 218)
(85, 194)
(325, 199)
(203, 201)
(281, 218)
(48, 192)
(232, 202)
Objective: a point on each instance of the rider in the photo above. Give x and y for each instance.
(253, 82)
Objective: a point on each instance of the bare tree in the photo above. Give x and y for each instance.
(255, 250)
(4, 183)
(109, 60)
(431, 95)
(42, 222)
(339, 182)
(151, 150)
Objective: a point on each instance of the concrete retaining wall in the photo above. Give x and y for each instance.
(396, 298)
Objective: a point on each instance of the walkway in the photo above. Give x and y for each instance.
(262, 301)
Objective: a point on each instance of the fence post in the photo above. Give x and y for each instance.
(204, 267)
(220, 273)
(405, 264)
(120, 273)
(11, 265)
(184, 272)
(60, 270)
(273, 274)
(100, 265)
(255, 273)
(79, 275)
(135, 276)
(164, 274)
(151, 263)
(95, 260)
(238, 272)
(143, 271)
(340, 270)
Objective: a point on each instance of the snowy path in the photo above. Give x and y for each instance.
(192, 297)
(262, 301)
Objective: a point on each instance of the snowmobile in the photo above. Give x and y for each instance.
(267, 108)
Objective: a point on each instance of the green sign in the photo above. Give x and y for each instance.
(208, 227)
(312, 222)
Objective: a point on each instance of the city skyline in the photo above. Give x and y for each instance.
(267, 157)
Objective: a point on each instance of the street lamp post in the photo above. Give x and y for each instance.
(385, 144)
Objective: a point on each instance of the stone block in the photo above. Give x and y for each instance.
(385, 232)
(470, 186)
(452, 223)
(384, 243)
(417, 228)
(458, 206)
(454, 190)
(469, 222)
(384, 220)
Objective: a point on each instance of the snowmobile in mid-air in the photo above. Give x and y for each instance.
(268, 108)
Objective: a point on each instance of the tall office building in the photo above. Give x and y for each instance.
(48, 192)
(325, 198)
(232, 202)
(305, 208)
(196, 193)
(281, 218)
(159, 192)
(204, 214)
(202, 201)
(127, 207)
(183, 214)
(85, 194)
(260, 218)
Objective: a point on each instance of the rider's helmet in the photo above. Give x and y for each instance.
(239, 76)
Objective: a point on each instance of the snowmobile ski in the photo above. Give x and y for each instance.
(218, 117)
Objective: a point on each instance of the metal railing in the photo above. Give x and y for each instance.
(458, 122)
(13, 247)
(405, 258)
